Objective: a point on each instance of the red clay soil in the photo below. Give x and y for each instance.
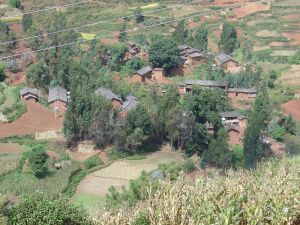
(16, 27)
(80, 157)
(15, 78)
(109, 41)
(293, 36)
(10, 148)
(293, 108)
(250, 8)
(291, 17)
(53, 155)
(37, 119)
(277, 148)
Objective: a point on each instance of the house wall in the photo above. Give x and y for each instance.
(234, 137)
(158, 74)
(181, 90)
(60, 106)
(137, 78)
(232, 67)
(196, 61)
(29, 97)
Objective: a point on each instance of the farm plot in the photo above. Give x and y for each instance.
(293, 108)
(291, 77)
(250, 8)
(119, 174)
(37, 119)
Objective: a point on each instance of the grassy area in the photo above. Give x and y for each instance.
(90, 202)
(87, 36)
(14, 19)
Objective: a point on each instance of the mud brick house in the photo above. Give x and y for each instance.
(109, 95)
(187, 85)
(228, 63)
(241, 93)
(130, 103)
(191, 56)
(29, 94)
(235, 123)
(133, 50)
(58, 100)
(149, 75)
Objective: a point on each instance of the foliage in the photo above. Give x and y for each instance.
(15, 3)
(262, 103)
(123, 34)
(8, 162)
(199, 39)
(163, 52)
(139, 17)
(292, 145)
(92, 162)
(2, 73)
(229, 40)
(218, 153)
(141, 219)
(39, 209)
(26, 22)
(231, 196)
(37, 75)
(37, 158)
(135, 64)
(6, 35)
(180, 34)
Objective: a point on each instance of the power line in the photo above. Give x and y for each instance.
(120, 32)
(46, 9)
(97, 23)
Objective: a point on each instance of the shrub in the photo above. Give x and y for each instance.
(92, 162)
(141, 219)
(15, 3)
(37, 158)
(292, 145)
(188, 166)
(2, 72)
(39, 209)
(26, 21)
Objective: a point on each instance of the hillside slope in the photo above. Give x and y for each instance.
(270, 195)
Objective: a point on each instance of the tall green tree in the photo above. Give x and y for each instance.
(37, 158)
(123, 34)
(37, 75)
(255, 147)
(2, 72)
(6, 35)
(15, 3)
(262, 102)
(229, 39)
(139, 17)
(163, 52)
(199, 38)
(26, 22)
(180, 34)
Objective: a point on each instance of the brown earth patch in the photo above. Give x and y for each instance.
(37, 119)
(250, 8)
(293, 36)
(291, 77)
(53, 155)
(293, 108)
(291, 16)
(15, 78)
(109, 41)
(10, 148)
(212, 46)
(80, 157)
(16, 27)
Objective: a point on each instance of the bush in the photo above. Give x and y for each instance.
(39, 209)
(26, 21)
(37, 158)
(188, 166)
(2, 72)
(92, 162)
(15, 3)
(292, 145)
(141, 219)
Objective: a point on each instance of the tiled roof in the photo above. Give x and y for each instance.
(195, 54)
(232, 114)
(144, 70)
(106, 93)
(130, 103)
(207, 83)
(29, 90)
(242, 90)
(57, 93)
(183, 47)
(223, 58)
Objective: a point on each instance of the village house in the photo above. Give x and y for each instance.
(109, 95)
(187, 85)
(130, 103)
(228, 63)
(29, 94)
(133, 50)
(150, 75)
(58, 99)
(235, 123)
(191, 56)
(241, 93)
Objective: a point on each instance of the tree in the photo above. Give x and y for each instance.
(39, 209)
(6, 35)
(37, 158)
(200, 38)
(180, 34)
(218, 153)
(135, 64)
(2, 73)
(229, 40)
(36, 75)
(262, 103)
(139, 17)
(122, 33)
(26, 21)
(255, 147)
(15, 3)
(163, 52)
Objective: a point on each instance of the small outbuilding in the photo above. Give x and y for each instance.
(29, 94)
(228, 63)
(109, 95)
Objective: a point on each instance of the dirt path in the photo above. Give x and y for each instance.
(37, 119)
(120, 173)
